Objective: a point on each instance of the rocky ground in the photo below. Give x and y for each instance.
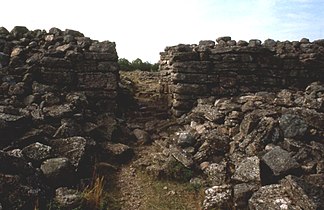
(255, 151)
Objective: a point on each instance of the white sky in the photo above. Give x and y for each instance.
(143, 28)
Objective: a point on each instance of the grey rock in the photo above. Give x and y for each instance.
(73, 33)
(37, 152)
(242, 43)
(19, 31)
(216, 173)
(58, 111)
(185, 139)
(280, 161)
(272, 197)
(118, 152)
(254, 43)
(74, 148)
(68, 198)
(55, 31)
(305, 195)
(270, 43)
(242, 193)
(214, 145)
(293, 126)
(224, 38)
(266, 131)
(3, 31)
(142, 136)
(182, 157)
(58, 172)
(217, 197)
(208, 43)
(248, 170)
(103, 47)
(304, 41)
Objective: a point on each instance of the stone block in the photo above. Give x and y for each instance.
(280, 161)
(103, 81)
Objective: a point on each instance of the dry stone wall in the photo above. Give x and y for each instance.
(65, 60)
(58, 99)
(227, 67)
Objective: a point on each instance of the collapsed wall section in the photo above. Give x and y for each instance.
(189, 72)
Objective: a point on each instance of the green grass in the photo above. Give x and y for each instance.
(160, 195)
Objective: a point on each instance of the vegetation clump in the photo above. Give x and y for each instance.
(137, 64)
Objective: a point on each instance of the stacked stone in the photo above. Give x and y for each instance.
(58, 93)
(230, 68)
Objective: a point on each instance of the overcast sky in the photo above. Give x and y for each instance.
(143, 28)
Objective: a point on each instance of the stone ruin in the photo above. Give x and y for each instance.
(252, 121)
(248, 125)
(58, 99)
(189, 72)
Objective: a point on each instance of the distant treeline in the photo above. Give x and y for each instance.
(137, 64)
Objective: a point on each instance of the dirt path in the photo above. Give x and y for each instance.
(134, 188)
(145, 89)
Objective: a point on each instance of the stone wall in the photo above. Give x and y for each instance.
(58, 98)
(65, 60)
(189, 72)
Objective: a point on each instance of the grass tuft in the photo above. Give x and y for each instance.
(94, 195)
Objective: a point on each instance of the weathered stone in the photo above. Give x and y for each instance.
(58, 172)
(74, 148)
(104, 81)
(303, 194)
(103, 47)
(214, 145)
(68, 198)
(248, 170)
(3, 31)
(280, 162)
(118, 152)
(272, 197)
(73, 33)
(242, 193)
(217, 197)
(19, 31)
(185, 139)
(267, 131)
(293, 126)
(224, 38)
(142, 136)
(58, 111)
(216, 173)
(182, 157)
(37, 152)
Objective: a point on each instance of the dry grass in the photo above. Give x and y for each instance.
(94, 195)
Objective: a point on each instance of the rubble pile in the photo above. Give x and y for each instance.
(58, 93)
(261, 150)
(189, 72)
